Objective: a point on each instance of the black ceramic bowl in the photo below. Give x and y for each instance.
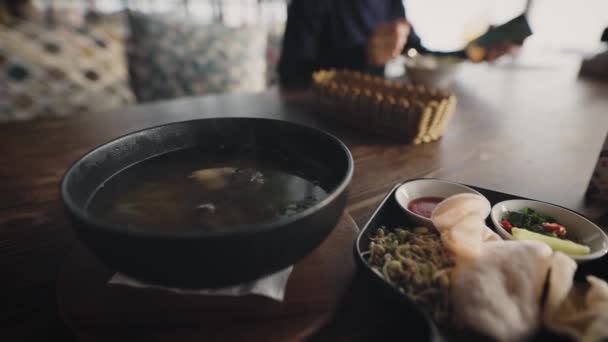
(209, 258)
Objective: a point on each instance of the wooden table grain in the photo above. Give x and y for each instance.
(531, 132)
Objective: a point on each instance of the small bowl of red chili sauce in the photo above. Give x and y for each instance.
(419, 197)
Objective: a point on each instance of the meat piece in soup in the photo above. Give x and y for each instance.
(179, 192)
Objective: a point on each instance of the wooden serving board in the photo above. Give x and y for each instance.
(96, 311)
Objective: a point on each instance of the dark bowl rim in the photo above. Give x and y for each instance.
(242, 230)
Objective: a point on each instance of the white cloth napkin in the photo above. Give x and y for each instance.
(271, 286)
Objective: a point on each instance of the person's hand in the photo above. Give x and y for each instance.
(387, 41)
(498, 50)
(478, 54)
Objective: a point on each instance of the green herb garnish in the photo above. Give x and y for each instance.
(531, 220)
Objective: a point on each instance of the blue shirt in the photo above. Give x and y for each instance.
(323, 34)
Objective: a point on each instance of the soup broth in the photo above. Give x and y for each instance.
(192, 190)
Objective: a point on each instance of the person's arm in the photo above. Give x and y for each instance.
(491, 53)
(413, 41)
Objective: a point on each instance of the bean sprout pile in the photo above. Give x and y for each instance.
(414, 261)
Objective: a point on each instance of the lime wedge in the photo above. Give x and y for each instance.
(556, 244)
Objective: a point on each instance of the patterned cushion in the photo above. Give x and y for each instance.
(60, 71)
(170, 58)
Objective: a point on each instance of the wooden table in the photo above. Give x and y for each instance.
(531, 132)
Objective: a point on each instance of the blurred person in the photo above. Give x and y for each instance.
(352, 34)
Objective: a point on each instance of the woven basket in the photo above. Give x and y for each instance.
(406, 112)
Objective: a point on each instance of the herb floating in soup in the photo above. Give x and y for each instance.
(528, 224)
(182, 191)
(414, 261)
